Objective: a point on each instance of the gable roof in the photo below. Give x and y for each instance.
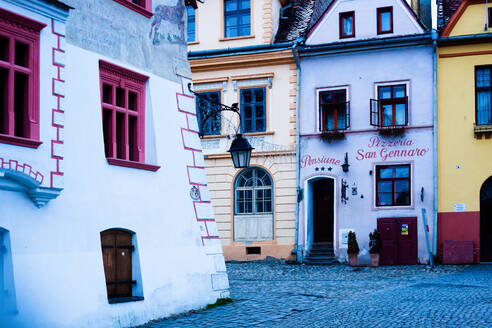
(457, 15)
(405, 4)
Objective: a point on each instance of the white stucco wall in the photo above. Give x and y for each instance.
(57, 265)
(327, 29)
(411, 65)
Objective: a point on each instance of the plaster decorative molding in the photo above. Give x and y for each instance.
(16, 180)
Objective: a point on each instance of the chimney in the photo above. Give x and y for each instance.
(445, 10)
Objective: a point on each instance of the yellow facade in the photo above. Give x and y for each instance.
(464, 156)
(274, 152)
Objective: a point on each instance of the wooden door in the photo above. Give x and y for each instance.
(399, 241)
(486, 222)
(117, 251)
(388, 230)
(407, 241)
(323, 211)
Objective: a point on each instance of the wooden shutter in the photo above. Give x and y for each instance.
(117, 252)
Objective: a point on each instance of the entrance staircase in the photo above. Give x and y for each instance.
(321, 254)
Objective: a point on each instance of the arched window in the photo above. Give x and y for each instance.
(253, 205)
(253, 192)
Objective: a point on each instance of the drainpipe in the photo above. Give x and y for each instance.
(297, 251)
(434, 128)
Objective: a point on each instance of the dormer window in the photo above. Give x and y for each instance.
(347, 25)
(385, 20)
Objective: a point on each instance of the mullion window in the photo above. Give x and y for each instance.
(393, 185)
(483, 95)
(208, 125)
(253, 195)
(237, 18)
(393, 109)
(253, 110)
(191, 27)
(333, 114)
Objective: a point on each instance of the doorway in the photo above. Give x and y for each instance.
(399, 241)
(486, 221)
(323, 211)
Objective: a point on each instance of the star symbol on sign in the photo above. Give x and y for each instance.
(316, 169)
(330, 168)
(322, 168)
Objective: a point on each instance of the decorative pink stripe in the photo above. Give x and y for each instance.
(14, 165)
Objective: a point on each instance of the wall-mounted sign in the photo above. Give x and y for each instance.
(459, 207)
(378, 148)
(307, 160)
(404, 229)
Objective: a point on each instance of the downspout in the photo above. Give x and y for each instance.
(297, 251)
(434, 128)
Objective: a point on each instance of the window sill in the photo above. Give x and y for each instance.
(193, 42)
(133, 165)
(237, 38)
(136, 8)
(125, 299)
(480, 129)
(18, 141)
(247, 134)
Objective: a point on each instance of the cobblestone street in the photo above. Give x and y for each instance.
(273, 294)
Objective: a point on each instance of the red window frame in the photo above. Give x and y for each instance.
(381, 11)
(143, 7)
(377, 106)
(335, 107)
(342, 18)
(19, 79)
(393, 180)
(123, 115)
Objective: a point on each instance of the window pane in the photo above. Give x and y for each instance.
(399, 91)
(107, 94)
(246, 96)
(402, 190)
(329, 119)
(120, 97)
(245, 4)
(120, 135)
(483, 77)
(248, 113)
(107, 131)
(132, 101)
(21, 54)
(339, 96)
(400, 115)
(260, 113)
(385, 21)
(21, 93)
(347, 25)
(248, 127)
(341, 118)
(4, 49)
(387, 115)
(4, 82)
(385, 199)
(386, 173)
(385, 186)
(484, 107)
(132, 138)
(260, 125)
(402, 171)
(231, 5)
(259, 95)
(245, 20)
(385, 93)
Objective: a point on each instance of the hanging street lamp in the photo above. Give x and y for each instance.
(240, 147)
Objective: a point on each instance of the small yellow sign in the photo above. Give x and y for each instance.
(404, 229)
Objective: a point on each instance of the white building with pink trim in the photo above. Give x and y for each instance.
(105, 214)
(366, 130)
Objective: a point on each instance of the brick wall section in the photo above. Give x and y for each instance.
(267, 21)
(58, 91)
(197, 179)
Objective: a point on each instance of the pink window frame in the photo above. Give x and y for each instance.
(145, 10)
(121, 78)
(15, 27)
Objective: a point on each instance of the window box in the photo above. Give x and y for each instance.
(19, 79)
(143, 7)
(393, 186)
(334, 112)
(347, 25)
(385, 20)
(390, 111)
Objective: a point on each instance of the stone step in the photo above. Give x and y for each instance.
(327, 261)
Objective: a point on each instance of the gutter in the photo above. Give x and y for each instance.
(297, 250)
(465, 39)
(435, 37)
(239, 50)
(369, 44)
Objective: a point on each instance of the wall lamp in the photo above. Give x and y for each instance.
(345, 165)
(240, 147)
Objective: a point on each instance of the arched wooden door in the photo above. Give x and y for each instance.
(117, 251)
(486, 221)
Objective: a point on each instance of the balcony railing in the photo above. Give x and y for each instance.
(335, 117)
(389, 113)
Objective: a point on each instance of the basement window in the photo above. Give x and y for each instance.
(253, 250)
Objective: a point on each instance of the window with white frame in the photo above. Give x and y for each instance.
(253, 192)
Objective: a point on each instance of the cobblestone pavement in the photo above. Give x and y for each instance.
(273, 294)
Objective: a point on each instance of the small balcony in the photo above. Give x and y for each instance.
(334, 120)
(390, 116)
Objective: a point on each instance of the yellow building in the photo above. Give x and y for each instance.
(234, 60)
(464, 69)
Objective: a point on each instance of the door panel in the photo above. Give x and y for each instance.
(117, 251)
(389, 254)
(323, 210)
(407, 241)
